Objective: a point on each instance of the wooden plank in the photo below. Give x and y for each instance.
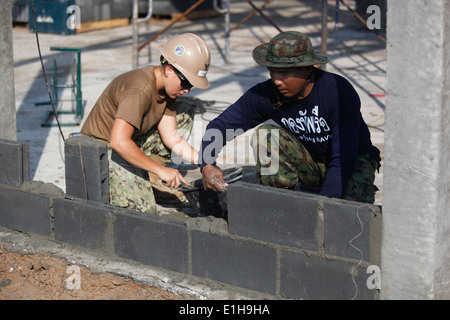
(103, 24)
(199, 14)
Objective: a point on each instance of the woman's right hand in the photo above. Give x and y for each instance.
(172, 177)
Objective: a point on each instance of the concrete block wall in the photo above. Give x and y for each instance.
(321, 247)
(284, 244)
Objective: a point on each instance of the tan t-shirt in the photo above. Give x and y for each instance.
(132, 97)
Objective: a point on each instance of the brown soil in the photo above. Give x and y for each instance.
(41, 277)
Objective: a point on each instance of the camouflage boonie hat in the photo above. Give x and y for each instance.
(288, 49)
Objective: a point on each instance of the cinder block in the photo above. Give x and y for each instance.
(82, 223)
(151, 239)
(274, 215)
(316, 278)
(14, 162)
(352, 230)
(87, 174)
(236, 262)
(25, 212)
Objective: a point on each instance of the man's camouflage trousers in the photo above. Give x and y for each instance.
(283, 162)
(129, 186)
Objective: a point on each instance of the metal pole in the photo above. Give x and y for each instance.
(134, 22)
(226, 11)
(135, 28)
(227, 30)
(149, 12)
(323, 46)
(79, 102)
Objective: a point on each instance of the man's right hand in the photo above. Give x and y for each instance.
(212, 178)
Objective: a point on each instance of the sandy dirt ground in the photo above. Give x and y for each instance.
(41, 277)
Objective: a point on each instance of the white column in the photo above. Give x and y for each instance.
(416, 195)
(7, 93)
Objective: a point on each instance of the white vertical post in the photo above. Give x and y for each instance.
(416, 195)
(8, 128)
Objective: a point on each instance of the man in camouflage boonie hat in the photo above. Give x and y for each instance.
(289, 49)
(317, 139)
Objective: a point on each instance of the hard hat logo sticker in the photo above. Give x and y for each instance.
(202, 73)
(179, 50)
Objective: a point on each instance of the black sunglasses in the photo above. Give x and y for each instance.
(185, 84)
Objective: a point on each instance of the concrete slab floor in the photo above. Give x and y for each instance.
(356, 53)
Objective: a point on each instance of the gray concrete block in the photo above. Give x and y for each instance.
(241, 263)
(14, 162)
(151, 239)
(274, 215)
(316, 278)
(25, 212)
(82, 223)
(87, 175)
(352, 230)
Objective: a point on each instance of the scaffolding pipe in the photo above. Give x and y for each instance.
(149, 12)
(226, 12)
(135, 28)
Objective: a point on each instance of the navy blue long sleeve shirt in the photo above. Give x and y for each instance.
(328, 122)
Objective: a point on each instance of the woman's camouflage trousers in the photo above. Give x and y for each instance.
(129, 186)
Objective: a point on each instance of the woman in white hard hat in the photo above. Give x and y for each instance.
(139, 117)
